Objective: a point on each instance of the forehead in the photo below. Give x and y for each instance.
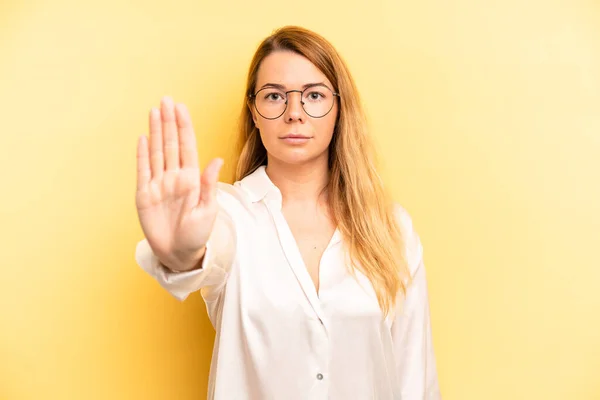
(289, 69)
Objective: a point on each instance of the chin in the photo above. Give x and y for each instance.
(295, 159)
(296, 156)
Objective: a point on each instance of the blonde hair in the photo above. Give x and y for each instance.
(361, 208)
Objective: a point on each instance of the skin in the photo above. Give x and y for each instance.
(176, 201)
(300, 171)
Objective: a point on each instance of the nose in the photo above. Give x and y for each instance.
(294, 110)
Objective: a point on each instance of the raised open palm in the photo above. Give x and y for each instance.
(176, 203)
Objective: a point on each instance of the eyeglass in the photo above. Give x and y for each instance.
(317, 101)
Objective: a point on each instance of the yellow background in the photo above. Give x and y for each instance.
(487, 119)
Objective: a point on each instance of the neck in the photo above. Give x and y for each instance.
(299, 184)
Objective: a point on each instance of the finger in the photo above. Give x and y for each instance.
(157, 162)
(169, 128)
(143, 163)
(187, 137)
(208, 181)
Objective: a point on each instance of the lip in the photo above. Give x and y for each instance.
(294, 136)
(295, 139)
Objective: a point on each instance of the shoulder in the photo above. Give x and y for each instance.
(413, 247)
(232, 199)
(230, 192)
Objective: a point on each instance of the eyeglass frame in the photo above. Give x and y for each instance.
(253, 97)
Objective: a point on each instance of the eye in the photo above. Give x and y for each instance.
(315, 96)
(274, 96)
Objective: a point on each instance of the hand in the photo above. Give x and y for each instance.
(176, 203)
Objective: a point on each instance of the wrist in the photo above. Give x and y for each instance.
(195, 263)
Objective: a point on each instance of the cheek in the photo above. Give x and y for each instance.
(270, 129)
(324, 128)
(321, 129)
(269, 134)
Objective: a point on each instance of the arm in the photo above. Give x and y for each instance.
(212, 270)
(177, 206)
(413, 344)
(411, 329)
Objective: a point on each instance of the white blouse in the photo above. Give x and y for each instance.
(276, 336)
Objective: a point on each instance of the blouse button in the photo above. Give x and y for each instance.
(319, 376)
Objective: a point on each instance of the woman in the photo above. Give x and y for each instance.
(312, 277)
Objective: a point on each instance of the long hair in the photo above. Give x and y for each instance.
(361, 208)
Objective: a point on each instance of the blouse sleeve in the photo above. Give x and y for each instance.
(411, 328)
(212, 275)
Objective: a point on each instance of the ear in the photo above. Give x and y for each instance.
(253, 112)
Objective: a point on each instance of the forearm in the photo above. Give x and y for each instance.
(186, 263)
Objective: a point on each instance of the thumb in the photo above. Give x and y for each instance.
(208, 181)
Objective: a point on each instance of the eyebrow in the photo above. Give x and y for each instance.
(282, 87)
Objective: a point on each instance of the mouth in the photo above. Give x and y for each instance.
(295, 136)
(295, 139)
